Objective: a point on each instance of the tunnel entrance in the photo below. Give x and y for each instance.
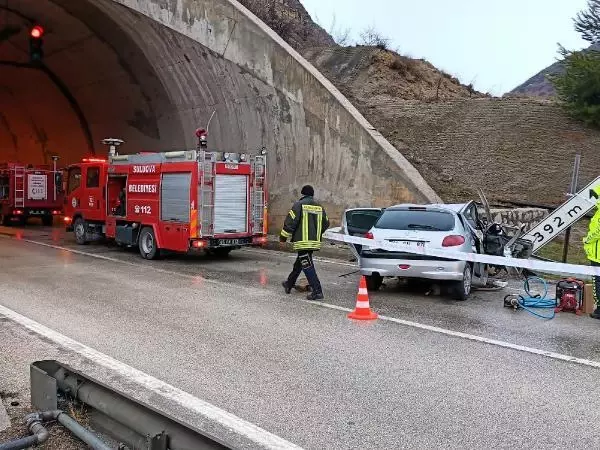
(153, 71)
(94, 81)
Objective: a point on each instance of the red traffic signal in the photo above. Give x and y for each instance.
(37, 32)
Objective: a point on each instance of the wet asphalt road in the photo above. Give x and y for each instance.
(222, 330)
(483, 314)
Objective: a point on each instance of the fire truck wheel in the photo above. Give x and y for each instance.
(5, 220)
(221, 252)
(80, 231)
(147, 243)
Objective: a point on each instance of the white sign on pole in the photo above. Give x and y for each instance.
(563, 217)
(37, 187)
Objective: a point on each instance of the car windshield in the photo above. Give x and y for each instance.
(416, 220)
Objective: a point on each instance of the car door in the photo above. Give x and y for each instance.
(357, 222)
(473, 226)
(94, 197)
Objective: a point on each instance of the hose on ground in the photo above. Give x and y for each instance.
(530, 302)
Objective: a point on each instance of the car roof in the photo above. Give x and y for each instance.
(454, 207)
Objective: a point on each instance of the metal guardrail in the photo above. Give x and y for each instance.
(118, 416)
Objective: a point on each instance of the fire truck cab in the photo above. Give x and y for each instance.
(29, 191)
(178, 201)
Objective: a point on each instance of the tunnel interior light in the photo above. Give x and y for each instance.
(37, 32)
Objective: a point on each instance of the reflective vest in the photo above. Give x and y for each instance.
(591, 243)
(305, 224)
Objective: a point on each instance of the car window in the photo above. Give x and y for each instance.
(471, 216)
(362, 219)
(416, 220)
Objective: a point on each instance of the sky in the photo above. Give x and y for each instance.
(496, 45)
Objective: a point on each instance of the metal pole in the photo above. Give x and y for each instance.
(54, 159)
(572, 191)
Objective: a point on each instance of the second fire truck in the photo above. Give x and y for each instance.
(178, 201)
(29, 191)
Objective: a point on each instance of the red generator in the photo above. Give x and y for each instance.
(569, 295)
(29, 191)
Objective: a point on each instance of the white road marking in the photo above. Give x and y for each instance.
(458, 334)
(241, 427)
(473, 337)
(116, 260)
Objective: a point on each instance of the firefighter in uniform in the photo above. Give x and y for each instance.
(305, 224)
(591, 245)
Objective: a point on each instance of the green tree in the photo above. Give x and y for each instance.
(578, 87)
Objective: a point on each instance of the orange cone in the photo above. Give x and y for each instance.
(362, 310)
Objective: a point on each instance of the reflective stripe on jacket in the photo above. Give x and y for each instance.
(305, 224)
(591, 243)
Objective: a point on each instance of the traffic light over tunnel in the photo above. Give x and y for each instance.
(36, 44)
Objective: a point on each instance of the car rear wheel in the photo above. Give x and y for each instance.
(462, 289)
(374, 282)
(147, 244)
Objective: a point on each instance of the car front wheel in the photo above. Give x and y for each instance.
(462, 289)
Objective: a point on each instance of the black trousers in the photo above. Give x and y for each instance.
(596, 286)
(304, 263)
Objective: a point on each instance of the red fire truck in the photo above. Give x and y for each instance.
(29, 191)
(178, 201)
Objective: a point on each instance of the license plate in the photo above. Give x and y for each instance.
(417, 244)
(229, 242)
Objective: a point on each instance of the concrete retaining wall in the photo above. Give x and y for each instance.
(267, 95)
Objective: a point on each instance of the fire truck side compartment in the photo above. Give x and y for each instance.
(175, 197)
(231, 192)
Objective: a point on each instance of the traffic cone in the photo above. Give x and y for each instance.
(362, 310)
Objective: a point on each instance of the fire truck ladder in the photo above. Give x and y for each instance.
(207, 193)
(19, 187)
(258, 202)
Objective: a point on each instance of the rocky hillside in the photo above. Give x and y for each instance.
(373, 71)
(538, 85)
(291, 21)
(369, 75)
